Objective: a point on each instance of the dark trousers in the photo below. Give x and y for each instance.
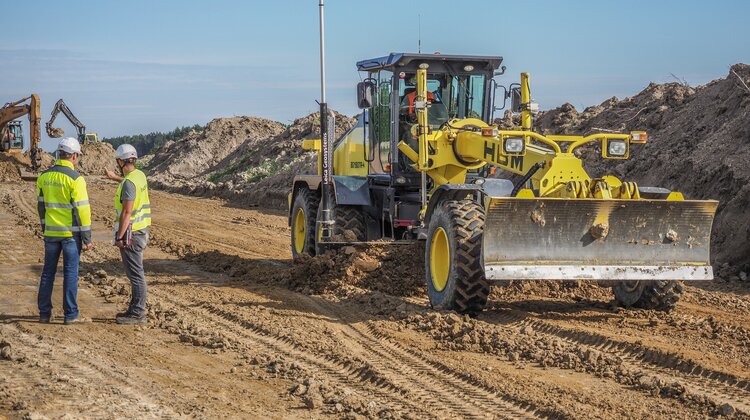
(132, 259)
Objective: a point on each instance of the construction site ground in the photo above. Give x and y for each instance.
(234, 332)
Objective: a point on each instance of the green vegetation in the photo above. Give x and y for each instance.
(255, 173)
(146, 143)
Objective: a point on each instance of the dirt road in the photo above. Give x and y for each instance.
(237, 330)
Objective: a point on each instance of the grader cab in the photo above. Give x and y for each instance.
(416, 165)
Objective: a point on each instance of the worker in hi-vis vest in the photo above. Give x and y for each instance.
(65, 214)
(132, 219)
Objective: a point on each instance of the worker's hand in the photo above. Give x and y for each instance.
(88, 247)
(120, 243)
(110, 175)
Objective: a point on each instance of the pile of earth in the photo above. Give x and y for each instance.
(11, 165)
(393, 269)
(698, 144)
(97, 157)
(9, 168)
(246, 159)
(194, 157)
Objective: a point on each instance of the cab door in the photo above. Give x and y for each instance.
(380, 124)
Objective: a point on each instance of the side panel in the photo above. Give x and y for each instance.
(349, 154)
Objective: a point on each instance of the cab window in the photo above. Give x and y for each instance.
(381, 119)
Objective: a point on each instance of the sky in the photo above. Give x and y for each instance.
(136, 66)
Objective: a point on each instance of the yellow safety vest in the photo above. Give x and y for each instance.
(63, 202)
(141, 216)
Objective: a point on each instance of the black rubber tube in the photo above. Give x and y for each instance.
(537, 166)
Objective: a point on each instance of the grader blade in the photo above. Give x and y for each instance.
(592, 239)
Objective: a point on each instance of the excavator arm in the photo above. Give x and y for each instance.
(60, 106)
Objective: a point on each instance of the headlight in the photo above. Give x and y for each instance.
(514, 145)
(617, 147)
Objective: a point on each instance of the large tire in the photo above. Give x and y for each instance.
(453, 258)
(661, 295)
(349, 223)
(304, 215)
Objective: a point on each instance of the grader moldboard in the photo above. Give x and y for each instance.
(415, 167)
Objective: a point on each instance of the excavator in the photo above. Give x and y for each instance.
(417, 165)
(83, 136)
(11, 133)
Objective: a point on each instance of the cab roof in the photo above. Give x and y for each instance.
(403, 59)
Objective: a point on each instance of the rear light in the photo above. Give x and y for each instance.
(489, 132)
(638, 137)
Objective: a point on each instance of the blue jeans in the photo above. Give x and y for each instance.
(71, 250)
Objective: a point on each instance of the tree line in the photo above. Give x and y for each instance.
(146, 143)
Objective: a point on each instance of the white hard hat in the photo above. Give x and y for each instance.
(69, 145)
(126, 151)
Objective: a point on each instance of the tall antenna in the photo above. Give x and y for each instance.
(419, 34)
(322, 55)
(325, 222)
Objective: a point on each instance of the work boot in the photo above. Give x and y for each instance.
(79, 320)
(123, 314)
(45, 319)
(131, 319)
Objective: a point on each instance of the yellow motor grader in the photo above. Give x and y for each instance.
(416, 167)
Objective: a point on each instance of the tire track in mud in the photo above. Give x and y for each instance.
(717, 386)
(423, 372)
(405, 377)
(437, 375)
(207, 242)
(91, 376)
(343, 372)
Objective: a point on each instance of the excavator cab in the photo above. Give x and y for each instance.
(12, 136)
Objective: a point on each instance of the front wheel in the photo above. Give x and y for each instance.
(661, 295)
(304, 214)
(453, 258)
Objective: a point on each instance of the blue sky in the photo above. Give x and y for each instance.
(127, 67)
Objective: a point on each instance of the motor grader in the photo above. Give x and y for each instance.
(417, 164)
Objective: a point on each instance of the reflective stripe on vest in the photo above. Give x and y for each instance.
(140, 218)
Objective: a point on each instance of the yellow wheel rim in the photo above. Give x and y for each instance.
(440, 259)
(299, 231)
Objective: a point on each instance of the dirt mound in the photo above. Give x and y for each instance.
(96, 158)
(698, 144)
(244, 159)
(393, 269)
(386, 268)
(9, 169)
(197, 155)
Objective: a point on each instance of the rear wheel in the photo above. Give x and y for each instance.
(349, 223)
(661, 295)
(304, 214)
(453, 258)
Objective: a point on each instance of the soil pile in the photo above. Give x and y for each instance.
(385, 268)
(246, 159)
(698, 144)
(197, 155)
(9, 169)
(96, 158)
